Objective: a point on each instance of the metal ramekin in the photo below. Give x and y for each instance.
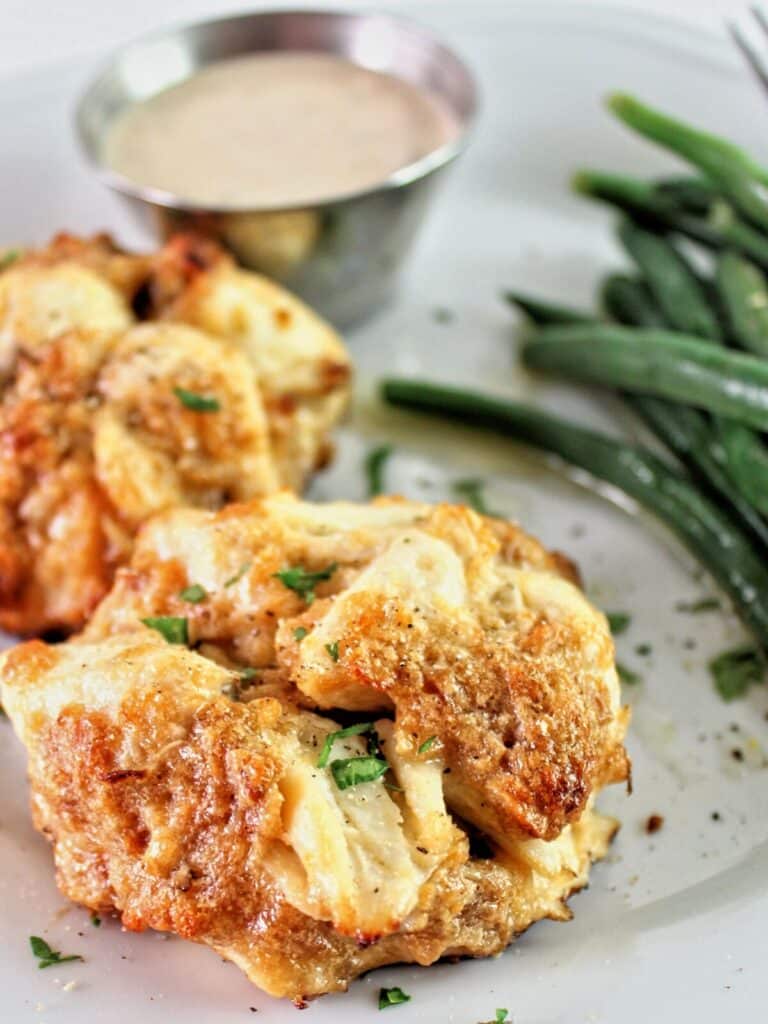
(343, 254)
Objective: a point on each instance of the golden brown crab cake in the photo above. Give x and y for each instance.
(104, 421)
(231, 822)
(301, 366)
(461, 627)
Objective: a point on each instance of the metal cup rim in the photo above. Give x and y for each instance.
(401, 178)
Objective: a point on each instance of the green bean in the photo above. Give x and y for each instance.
(629, 301)
(709, 532)
(684, 305)
(542, 312)
(695, 195)
(746, 459)
(672, 281)
(656, 362)
(685, 431)
(743, 291)
(730, 168)
(702, 149)
(683, 302)
(721, 228)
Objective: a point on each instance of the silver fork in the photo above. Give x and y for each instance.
(758, 63)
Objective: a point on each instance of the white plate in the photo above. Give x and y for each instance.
(672, 927)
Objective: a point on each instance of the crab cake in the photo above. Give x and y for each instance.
(325, 738)
(105, 420)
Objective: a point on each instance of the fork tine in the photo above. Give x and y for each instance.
(750, 54)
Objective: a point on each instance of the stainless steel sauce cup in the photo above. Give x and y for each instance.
(342, 254)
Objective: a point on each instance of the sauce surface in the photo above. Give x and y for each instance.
(274, 129)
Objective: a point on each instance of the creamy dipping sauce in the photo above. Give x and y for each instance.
(277, 129)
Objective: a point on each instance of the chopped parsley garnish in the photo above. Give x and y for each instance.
(501, 1016)
(9, 257)
(353, 771)
(643, 650)
(627, 675)
(233, 688)
(705, 604)
(299, 633)
(392, 997)
(618, 622)
(95, 920)
(471, 490)
(330, 739)
(734, 671)
(297, 578)
(375, 462)
(46, 956)
(196, 402)
(238, 575)
(442, 315)
(193, 594)
(427, 744)
(172, 628)
(333, 650)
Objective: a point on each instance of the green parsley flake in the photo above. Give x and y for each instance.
(193, 594)
(353, 771)
(46, 956)
(238, 575)
(196, 402)
(233, 688)
(95, 920)
(375, 463)
(735, 670)
(643, 650)
(618, 622)
(705, 604)
(330, 739)
(392, 997)
(299, 633)
(471, 490)
(501, 1016)
(627, 675)
(297, 578)
(427, 744)
(333, 650)
(172, 627)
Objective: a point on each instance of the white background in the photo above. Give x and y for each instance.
(39, 32)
